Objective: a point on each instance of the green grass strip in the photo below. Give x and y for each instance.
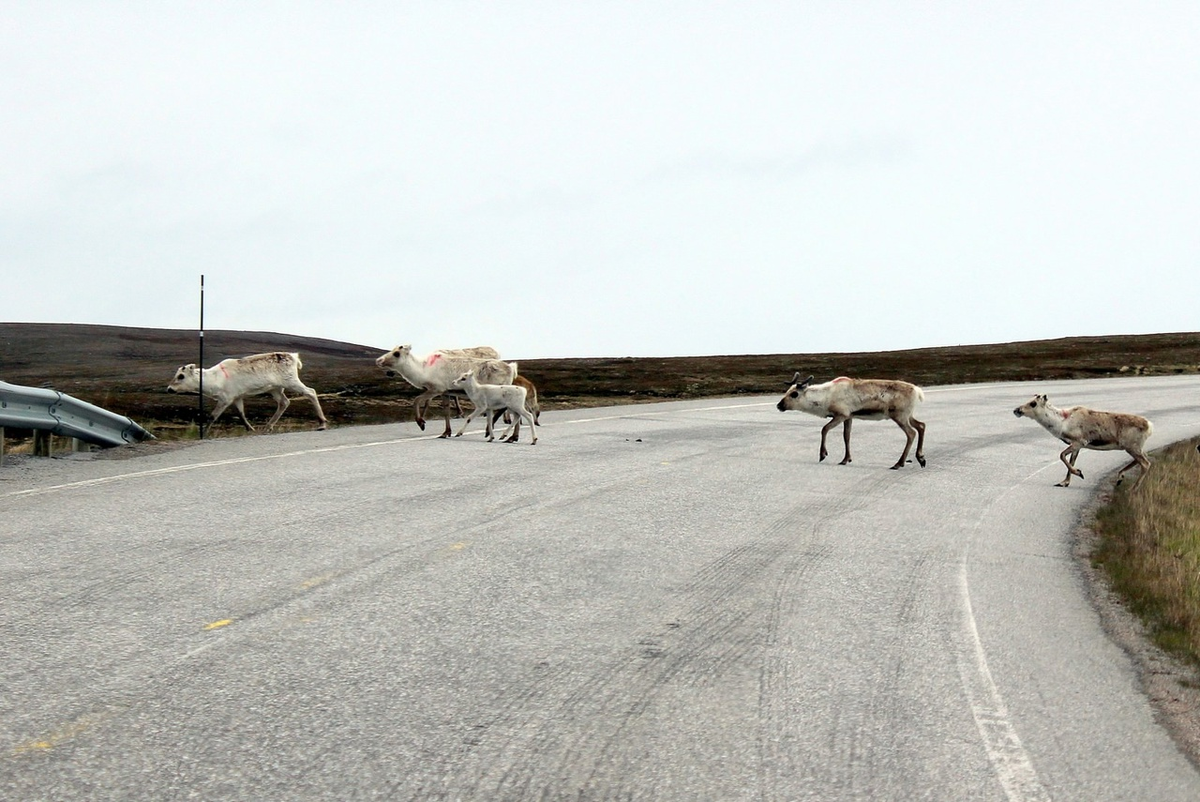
(1149, 547)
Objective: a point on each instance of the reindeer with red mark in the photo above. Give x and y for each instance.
(845, 400)
(1080, 428)
(435, 374)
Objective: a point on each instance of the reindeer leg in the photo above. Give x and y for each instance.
(216, 413)
(920, 427)
(311, 395)
(1138, 459)
(1073, 450)
(419, 404)
(909, 432)
(281, 403)
(239, 405)
(516, 427)
(1145, 463)
(446, 409)
(846, 439)
(470, 418)
(834, 421)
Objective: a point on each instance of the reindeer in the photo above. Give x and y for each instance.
(230, 381)
(435, 374)
(1080, 428)
(496, 398)
(845, 400)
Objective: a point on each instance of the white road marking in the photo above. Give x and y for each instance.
(1008, 757)
(1012, 764)
(37, 491)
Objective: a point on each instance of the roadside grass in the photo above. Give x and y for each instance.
(1149, 547)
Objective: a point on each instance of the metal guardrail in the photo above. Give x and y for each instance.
(57, 413)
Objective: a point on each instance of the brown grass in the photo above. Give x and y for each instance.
(1149, 547)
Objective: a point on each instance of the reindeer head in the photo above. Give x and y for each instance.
(794, 397)
(463, 380)
(1031, 408)
(187, 380)
(392, 358)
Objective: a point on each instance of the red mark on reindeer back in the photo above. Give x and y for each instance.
(432, 360)
(842, 379)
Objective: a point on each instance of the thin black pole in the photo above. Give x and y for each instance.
(201, 363)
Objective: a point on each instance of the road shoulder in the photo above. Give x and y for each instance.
(1172, 686)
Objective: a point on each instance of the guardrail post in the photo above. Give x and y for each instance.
(78, 445)
(1, 445)
(42, 443)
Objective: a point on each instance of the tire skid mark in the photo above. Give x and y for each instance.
(778, 757)
(119, 581)
(730, 621)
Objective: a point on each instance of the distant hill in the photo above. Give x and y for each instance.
(127, 370)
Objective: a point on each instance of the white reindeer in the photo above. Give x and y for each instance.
(489, 398)
(230, 381)
(477, 352)
(845, 400)
(1080, 428)
(435, 375)
(531, 403)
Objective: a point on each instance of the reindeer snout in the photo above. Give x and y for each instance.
(170, 389)
(780, 406)
(1018, 412)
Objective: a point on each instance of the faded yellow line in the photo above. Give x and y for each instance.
(224, 622)
(318, 581)
(60, 736)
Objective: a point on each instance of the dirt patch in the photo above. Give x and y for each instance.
(1172, 685)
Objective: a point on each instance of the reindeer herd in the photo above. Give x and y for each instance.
(495, 388)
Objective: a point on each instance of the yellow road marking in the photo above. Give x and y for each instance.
(61, 735)
(224, 622)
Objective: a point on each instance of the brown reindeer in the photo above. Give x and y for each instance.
(844, 400)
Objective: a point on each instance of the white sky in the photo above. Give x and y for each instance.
(604, 178)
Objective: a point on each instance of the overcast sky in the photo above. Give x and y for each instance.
(604, 178)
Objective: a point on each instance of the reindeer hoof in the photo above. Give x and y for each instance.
(420, 424)
(1063, 484)
(921, 460)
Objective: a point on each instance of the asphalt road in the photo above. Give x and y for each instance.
(667, 602)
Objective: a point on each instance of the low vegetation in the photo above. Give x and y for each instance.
(1149, 547)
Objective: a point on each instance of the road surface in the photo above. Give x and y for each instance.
(662, 602)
